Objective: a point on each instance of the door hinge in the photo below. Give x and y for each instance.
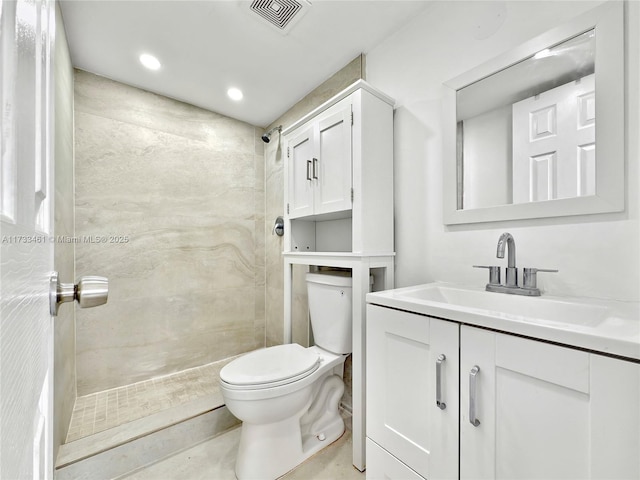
(287, 209)
(352, 195)
(351, 118)
(288, 153)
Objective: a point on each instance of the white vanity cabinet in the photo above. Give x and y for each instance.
(412, 409)
(319, 157)
(527, 408)
(545, 411)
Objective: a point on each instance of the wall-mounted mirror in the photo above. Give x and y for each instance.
(539, 131)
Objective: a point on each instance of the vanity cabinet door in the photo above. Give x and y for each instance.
(381, 465)
(402, 415)
(529, 409)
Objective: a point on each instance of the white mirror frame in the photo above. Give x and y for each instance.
(608, 21)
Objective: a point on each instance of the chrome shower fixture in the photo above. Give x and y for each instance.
(266, 137)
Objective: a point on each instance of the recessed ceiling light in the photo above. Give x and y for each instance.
(149, 61)
(235, 94)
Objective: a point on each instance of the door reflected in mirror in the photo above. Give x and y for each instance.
(527, 133)
(539, 131)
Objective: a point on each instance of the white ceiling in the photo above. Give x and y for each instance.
(205, 47)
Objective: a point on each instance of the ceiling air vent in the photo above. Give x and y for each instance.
(282, 14)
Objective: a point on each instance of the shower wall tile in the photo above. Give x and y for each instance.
(300, 326)
(258, 143)
(274, 276)
(178, 193)
(64, 394)
(109, 99)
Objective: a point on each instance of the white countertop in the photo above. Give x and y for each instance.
(605, 326)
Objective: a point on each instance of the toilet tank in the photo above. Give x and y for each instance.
(330, 301)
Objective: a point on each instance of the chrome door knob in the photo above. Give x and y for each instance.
(90, 291)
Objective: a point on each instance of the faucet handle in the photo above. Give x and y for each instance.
(494, 273)
(530, 277)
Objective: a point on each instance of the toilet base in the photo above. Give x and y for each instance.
(268, 451)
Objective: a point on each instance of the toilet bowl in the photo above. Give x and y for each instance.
(281, 425)
(287, 396)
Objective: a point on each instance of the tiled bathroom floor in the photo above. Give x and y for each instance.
(199, 462)
(107, 409)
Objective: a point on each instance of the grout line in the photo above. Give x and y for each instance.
(127, 403)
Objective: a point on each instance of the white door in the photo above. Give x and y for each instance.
(300, 157)
(554, 143)
(26, 255)
(545, 411)
(332, 165)
(403, 417)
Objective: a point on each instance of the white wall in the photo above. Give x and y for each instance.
(487, 178)
(597, 255)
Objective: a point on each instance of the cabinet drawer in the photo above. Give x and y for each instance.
(381, 465)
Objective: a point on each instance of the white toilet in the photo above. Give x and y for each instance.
(287, 396)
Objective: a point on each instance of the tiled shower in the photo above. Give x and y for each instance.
(184, 197)
(178, 194)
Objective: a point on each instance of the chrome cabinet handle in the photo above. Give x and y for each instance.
(315, 168)
(441, 405)
(309, 170)
(473, 374)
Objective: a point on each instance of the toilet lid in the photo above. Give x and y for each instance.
(271, 365)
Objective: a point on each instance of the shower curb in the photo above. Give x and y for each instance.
(122, 450)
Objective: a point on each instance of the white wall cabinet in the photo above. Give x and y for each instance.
(339, 209)
(339, 175)
(527, 409)
(319, 155)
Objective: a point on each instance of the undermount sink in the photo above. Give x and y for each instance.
(498, 304)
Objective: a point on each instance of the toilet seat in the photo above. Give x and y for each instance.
(270, 367)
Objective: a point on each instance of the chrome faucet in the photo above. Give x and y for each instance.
(529, 288)
(512, 272)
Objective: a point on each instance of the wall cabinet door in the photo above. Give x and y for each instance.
(320, 163)
(404, 352)
(332, 165)
(529, 409)
(301, 151)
